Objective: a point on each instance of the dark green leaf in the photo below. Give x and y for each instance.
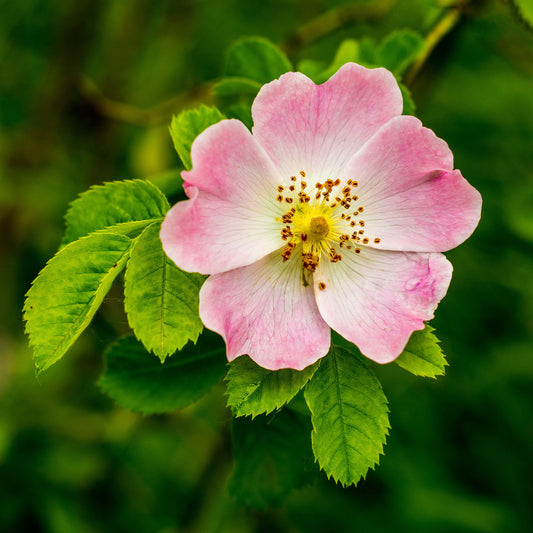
(349, 414)
(186, 126)
(114, 203)
(68, 291)
(236, 86)
(241, 111)
(161, 300)
(257, 59)
(422, 356)
(137, 380)
(399, 49)
(254, 390)
(409, 107)
(273, 456)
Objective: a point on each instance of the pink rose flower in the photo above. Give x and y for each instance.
(332, 213)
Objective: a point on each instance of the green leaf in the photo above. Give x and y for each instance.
(161, 300)
(186, 126)
(525, 9)
(236, 86)
(66, 294)
(409, 106)
(241, 111)
(138, 381)
(347, 52)
(114, 203)
(273, 456)
(422, 356)
(254, 390)
(257, 59)
(349, 415)
(399, 49)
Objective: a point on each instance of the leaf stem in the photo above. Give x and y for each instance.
(333, 20)
(437, 33)
(158, 114)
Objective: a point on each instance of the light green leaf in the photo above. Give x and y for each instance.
(399, 49)
(161, 300)
(254, 390)
(114, 203)
(68, 291)
(138, 381)
(347, 52)
(186, 126)
(257, 59)
(273, 456)
(232, 86)
(422, 356)
(525, 9)
(311, 68)
(349, 414)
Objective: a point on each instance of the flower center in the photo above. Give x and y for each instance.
(326, 218)
(318, 229)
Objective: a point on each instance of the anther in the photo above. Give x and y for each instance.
(377, 240)
(365, 241)
(321, 286)
(302, 173)
(279, 198)
(288, 200)
(280, 188)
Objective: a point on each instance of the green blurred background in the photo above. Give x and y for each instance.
(87, 91)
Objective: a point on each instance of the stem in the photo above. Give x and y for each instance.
(439, 31)
(123, 112)
(333, 20)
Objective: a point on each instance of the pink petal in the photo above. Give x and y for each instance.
(412, 198)
(378, 298)
(264, 310)
(229, 220)
(317, 128)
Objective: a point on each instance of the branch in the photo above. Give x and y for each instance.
(438, 32)
(123, 112)
(333, 20)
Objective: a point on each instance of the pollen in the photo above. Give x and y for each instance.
(318, 224)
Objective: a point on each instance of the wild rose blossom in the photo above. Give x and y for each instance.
(331, 214)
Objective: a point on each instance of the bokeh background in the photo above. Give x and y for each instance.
(87, 92)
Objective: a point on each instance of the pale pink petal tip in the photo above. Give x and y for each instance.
(264, 311)
(377, 300)
(317, 128)
(229, 220)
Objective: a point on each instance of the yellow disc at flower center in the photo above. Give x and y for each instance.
(312, 223)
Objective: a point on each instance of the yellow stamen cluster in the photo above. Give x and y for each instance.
(321, 220)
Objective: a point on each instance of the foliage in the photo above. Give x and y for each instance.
(349, 415)
(137, 381)
(80, 106)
